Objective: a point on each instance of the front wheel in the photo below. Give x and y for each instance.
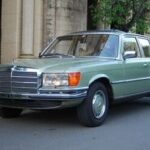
(10, 112)
(94, 109)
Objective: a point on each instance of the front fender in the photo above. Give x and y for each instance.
(97, 77)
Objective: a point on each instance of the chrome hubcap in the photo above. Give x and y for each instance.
(99, 104)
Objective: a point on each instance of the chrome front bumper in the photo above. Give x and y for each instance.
(43, 100)
(21, 87)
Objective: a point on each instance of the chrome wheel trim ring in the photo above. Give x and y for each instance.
(99, 104)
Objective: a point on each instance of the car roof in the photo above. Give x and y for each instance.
(107, 31)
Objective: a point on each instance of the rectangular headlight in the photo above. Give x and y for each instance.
(54, 80)
(61, 79)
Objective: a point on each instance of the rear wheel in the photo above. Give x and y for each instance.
(10, 112)
(94, 109)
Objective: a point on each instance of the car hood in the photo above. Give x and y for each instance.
(59, 65)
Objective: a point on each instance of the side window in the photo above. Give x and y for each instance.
(130, 44)
(110, 48)
(145, 46)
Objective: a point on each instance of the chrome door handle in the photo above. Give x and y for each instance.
(145, 65)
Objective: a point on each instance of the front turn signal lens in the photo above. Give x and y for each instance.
(74, 78)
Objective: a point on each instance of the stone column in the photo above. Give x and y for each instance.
(10, 33)
(38, 27)
(22, 22)
(31, 28)
(27, 28)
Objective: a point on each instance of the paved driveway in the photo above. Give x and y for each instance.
(127, 128)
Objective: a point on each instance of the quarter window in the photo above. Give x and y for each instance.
(130, 44)
(145, 46)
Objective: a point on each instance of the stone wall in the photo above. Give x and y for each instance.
(21, 35)
(64, 16)
(27, 25)
(10, 29)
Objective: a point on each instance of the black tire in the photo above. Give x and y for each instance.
(85, 111)
(10, 112)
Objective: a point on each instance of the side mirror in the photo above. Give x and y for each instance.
(129, 54)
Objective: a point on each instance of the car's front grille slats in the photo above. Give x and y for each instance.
(24, 79)
(24, 90)
(5, 74)
(15, 81)
(5, 89)
(24, 74)
(5, 84)
(5, 80)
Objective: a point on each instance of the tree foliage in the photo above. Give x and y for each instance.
(122, 14)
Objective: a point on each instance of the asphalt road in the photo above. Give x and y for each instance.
(127, 128)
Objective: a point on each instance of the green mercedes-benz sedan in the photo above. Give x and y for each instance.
(86, 70)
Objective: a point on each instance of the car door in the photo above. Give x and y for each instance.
(135, 68)
(145, 47)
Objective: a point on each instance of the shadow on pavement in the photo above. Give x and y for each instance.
(65, 117)
(127, 109)
(68, 117)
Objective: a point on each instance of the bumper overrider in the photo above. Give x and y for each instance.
(43, 99)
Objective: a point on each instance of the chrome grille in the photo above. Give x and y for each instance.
(16, 80)
(5, 80)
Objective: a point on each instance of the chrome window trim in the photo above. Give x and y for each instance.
(87, 33)
(130, 80)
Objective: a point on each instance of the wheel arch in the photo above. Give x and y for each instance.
(104, 79)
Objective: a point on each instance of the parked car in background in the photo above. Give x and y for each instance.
(86, 70)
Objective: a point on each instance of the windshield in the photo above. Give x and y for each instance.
(102, 45)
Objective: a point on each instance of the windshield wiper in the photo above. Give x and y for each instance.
(58, 55)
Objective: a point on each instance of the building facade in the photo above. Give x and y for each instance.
(27, 25)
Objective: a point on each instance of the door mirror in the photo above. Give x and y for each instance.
(129, 54)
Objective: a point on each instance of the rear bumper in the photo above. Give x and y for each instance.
(43, 100)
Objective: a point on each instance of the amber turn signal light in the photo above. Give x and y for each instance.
(74, 78)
